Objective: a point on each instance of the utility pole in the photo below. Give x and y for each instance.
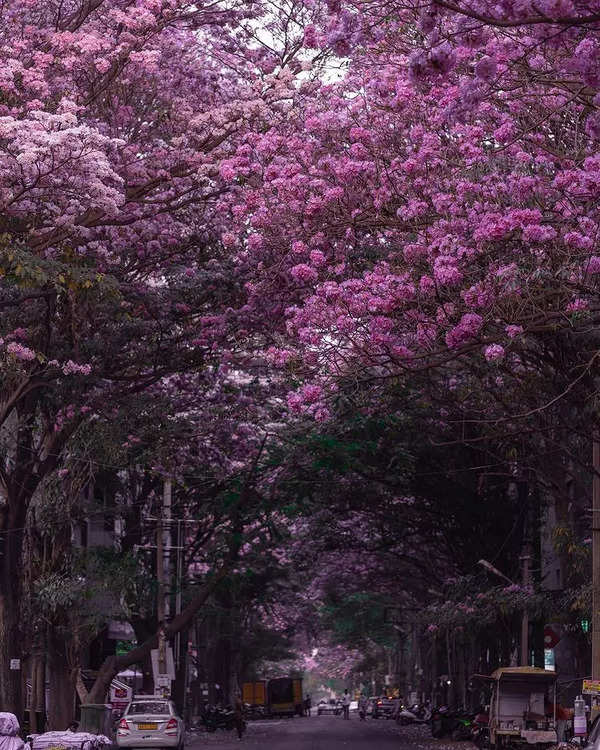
(596, 558)
(167, 542)
(178, 583)
(160, 578)
(525, 557)
(526, 580)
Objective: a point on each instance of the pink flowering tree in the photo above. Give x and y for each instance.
(434, 211)
(116, 120)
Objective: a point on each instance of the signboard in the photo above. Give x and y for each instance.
(119, 695)
(591, 687)
(163, 681)
(170, 663)
(579, 725)
(551, 637)
(549, 661)
(15, 664)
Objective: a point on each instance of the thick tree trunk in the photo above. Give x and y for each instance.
(113, 664)
(33, 722)
(37, 707)
(147, 676)
(61, 711)
(11, 642)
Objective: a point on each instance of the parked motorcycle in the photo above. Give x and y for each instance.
(463, 729)
(480, 735)
(215, 718)
(440, 722)
(416, 714)
(456, 723)
(254, 713)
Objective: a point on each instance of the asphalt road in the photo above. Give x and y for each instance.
(327, 733)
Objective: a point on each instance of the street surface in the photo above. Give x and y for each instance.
(327, 733)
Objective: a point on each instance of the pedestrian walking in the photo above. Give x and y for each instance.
(362, 707)
(307, 704)
(238, 716)
(346, 704)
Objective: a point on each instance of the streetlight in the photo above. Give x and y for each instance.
(525, 617)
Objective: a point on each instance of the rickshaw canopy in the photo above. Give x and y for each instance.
(524, 673)
(515, 674)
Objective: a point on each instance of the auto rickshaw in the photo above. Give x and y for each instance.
(522, 707)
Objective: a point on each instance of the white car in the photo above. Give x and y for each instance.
(150, 721)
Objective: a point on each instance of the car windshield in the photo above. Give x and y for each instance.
(149, 707)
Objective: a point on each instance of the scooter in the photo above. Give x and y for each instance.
(412, 715)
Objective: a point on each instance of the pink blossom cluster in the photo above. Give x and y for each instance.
(73, 368)
(19, 351)
(428, 247)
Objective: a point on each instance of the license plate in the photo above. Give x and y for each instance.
(147, 726)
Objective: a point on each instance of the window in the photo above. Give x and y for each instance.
(149, 707)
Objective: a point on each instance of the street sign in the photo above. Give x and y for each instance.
(551, 637)
(119, 695)
(15, 664)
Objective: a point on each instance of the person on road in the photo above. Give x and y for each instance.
(238, 716)
(362, 707)
(307, 705)
(346, 704)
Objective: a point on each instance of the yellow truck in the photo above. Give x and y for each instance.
(255, 693)
(281, 696)
(285, 696)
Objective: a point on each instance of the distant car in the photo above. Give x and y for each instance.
(150, 721)
(382, 708)
(329, 707)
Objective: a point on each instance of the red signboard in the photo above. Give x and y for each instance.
(551, 637)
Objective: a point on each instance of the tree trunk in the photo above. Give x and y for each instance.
(37, 706)
(435, 684)
(113, 664)
(33, 722)
(10, 622)
(147, 676)
(61, 711)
